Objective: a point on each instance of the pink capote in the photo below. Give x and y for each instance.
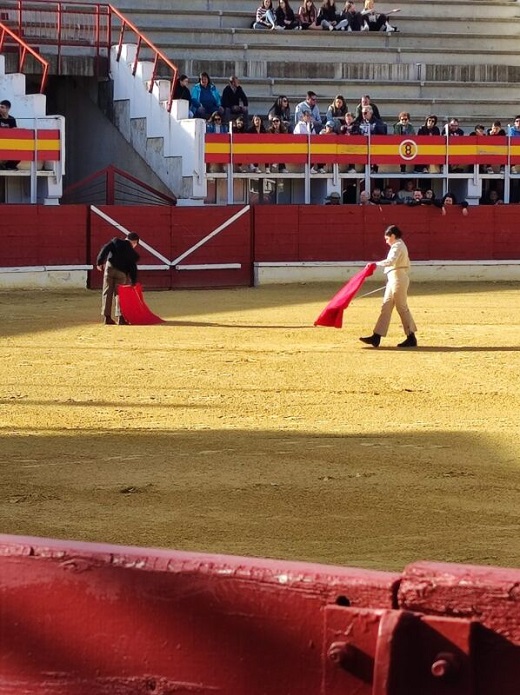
(133, 306)
(332, 315)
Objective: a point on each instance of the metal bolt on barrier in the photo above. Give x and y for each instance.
(445, 666)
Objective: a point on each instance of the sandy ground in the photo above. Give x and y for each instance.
(238, 427)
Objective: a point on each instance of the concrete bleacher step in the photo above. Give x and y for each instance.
(439, 9)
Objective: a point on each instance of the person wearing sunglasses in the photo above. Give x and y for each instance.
(215, 124)
(281, 109)
(276, 128)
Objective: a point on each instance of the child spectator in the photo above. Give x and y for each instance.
(309, 105)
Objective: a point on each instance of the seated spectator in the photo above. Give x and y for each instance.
(333, 198)
(285, 17)
(430, 126)
(328, 17)
(305, 126)
(239, 126)
(256, 128)
(328, 129)
(350, 126)
(416, 199)
(512, 130)
(452, 129)
(205, 98)
(309, 105)
(377, 197)
(265, 18)
(350, 19)
(403, 125)
(376, 21)
(496, 129)
(449, 200)
(234, 100)
(7, 121)
(480, 130)
(369, 124)
(492, 198)
(336, 112)
(215, 125)
(364, 198)
(277, 128)
(282, 110)
(406, 193)
(366, 101)
(182, 91)
(429, 197)
(390, 196)
(308, 15)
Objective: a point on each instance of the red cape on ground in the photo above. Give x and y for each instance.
(332, 315)
(133, 306)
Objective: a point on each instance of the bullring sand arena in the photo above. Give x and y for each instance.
(239, 427)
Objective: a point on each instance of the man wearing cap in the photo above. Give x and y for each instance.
(234, 100)
(333, 198)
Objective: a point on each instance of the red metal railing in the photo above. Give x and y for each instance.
(24, 50)
(85, 26)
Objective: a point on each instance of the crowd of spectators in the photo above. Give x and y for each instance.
(327, 17)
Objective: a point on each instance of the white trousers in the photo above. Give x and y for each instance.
(396, 294)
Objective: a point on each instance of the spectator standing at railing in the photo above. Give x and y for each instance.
(336, 112)
(205, 98)
(308, 15)
(449, 201)
(328, 16)
(309, 105)
(265, 18)
(367, 101)
(234, 100)
(281, 109)
(7, 121)
(285, 16)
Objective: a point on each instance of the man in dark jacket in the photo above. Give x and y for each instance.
(234, 100)
(118, 262)
(7, 121)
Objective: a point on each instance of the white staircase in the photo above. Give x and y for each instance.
(171, 143)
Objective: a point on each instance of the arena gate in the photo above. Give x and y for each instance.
(95, 619)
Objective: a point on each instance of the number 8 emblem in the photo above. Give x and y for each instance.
(408, 150)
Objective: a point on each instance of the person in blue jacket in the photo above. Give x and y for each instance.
(205, 98)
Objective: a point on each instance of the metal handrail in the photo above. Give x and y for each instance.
(24, 51)
(91, 26)
(159, 56)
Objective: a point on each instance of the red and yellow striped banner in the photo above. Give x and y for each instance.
(22, 144)
(380, 149)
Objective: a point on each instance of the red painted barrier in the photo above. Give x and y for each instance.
(217, 246)
(95, 619)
